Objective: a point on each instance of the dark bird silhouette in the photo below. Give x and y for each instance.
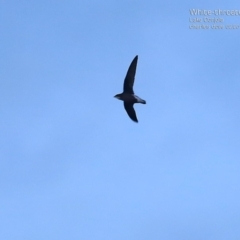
(127, 96)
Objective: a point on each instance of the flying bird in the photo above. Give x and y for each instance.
(127, 96)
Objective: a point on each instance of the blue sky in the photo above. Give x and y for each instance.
(74, 166)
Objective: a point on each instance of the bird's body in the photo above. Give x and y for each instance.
(128, 96)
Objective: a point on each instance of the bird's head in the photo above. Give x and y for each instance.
(117, 96)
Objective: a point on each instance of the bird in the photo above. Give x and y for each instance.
(127, 96)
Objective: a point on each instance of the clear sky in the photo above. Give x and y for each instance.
(72, 163)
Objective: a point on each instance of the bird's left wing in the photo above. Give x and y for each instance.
(129, 79)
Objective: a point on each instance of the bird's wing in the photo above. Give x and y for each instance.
(129, 79)
(130, 111)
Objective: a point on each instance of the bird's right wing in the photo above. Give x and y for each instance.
(130, 111)
(129, 79)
